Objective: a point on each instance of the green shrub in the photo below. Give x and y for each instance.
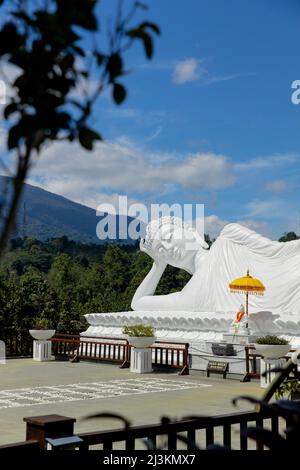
(271, 339)
(42, 324)
(138, 330)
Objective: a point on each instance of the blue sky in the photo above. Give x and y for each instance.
(208, 120)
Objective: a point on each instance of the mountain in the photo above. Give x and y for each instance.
(43, 215)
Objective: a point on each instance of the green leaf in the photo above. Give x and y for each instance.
(78, 12)
(119, 93)
(145, 37)
(114, 66)
(87, 137)
(153, 26)
(14, 135)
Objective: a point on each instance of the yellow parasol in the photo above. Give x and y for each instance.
(247, 285)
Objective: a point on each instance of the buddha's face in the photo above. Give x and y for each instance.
(177, 246)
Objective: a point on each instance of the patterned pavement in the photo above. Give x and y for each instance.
(20, 397)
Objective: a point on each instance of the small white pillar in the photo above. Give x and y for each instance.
(42, 351)
(141, 360)
(267, 366)
(2, 353)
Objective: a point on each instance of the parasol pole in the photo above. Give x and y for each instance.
(247, 309)
(247, 301)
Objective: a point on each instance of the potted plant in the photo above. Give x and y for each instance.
(271, 347)
(42, 330)
(139, 336)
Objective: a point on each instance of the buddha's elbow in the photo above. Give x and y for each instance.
(135, 304)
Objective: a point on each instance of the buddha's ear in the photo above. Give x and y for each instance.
(142, 245)
(199, 239)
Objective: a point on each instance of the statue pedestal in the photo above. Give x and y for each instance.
(239, 338)
(141, 360)
(42, 351)
(266, 367)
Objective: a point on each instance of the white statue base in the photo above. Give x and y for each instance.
(266, 367)
(141, 360)
(237, 338)
(199, 329)
(42, 351)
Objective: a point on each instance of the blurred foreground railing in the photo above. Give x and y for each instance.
(226, 430)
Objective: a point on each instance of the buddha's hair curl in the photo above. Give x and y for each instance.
(154, 227)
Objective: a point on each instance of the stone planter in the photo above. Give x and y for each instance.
(141, 354)
(141, 341)
(42, 335)
(272, 351)
(41, 345)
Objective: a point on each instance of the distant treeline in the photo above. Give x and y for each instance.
(61, 280)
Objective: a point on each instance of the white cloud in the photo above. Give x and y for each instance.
(214, 225)
(122, 167)
(261, 163)
(187, 70)
(266, 208)
(276, 186)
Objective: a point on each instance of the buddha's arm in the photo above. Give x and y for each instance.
(144, 298)
(174, 301)
(149, 284)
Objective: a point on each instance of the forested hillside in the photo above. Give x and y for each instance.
(61, 280)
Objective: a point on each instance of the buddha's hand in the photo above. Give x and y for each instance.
(158, 262)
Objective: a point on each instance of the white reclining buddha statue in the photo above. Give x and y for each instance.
(237, 249)
(205, 307)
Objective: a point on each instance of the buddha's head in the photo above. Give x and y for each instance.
(171, 240)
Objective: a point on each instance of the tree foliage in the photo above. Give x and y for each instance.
(64, 289)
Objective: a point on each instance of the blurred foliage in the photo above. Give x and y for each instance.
(60, 64)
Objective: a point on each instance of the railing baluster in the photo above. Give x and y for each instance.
(209, 435)
(227, 435)
(191, 435)
(108, 445)
(259, 423)
(243, 439)
(130, 443)
(172, 441)
(275, 424)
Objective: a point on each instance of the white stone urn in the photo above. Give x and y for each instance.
(42, 335)
(141, 342)
(272, 351)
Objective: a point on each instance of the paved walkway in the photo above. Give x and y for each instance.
(29, 388)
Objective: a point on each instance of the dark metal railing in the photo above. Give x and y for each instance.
(78, 347)
(173, 354)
